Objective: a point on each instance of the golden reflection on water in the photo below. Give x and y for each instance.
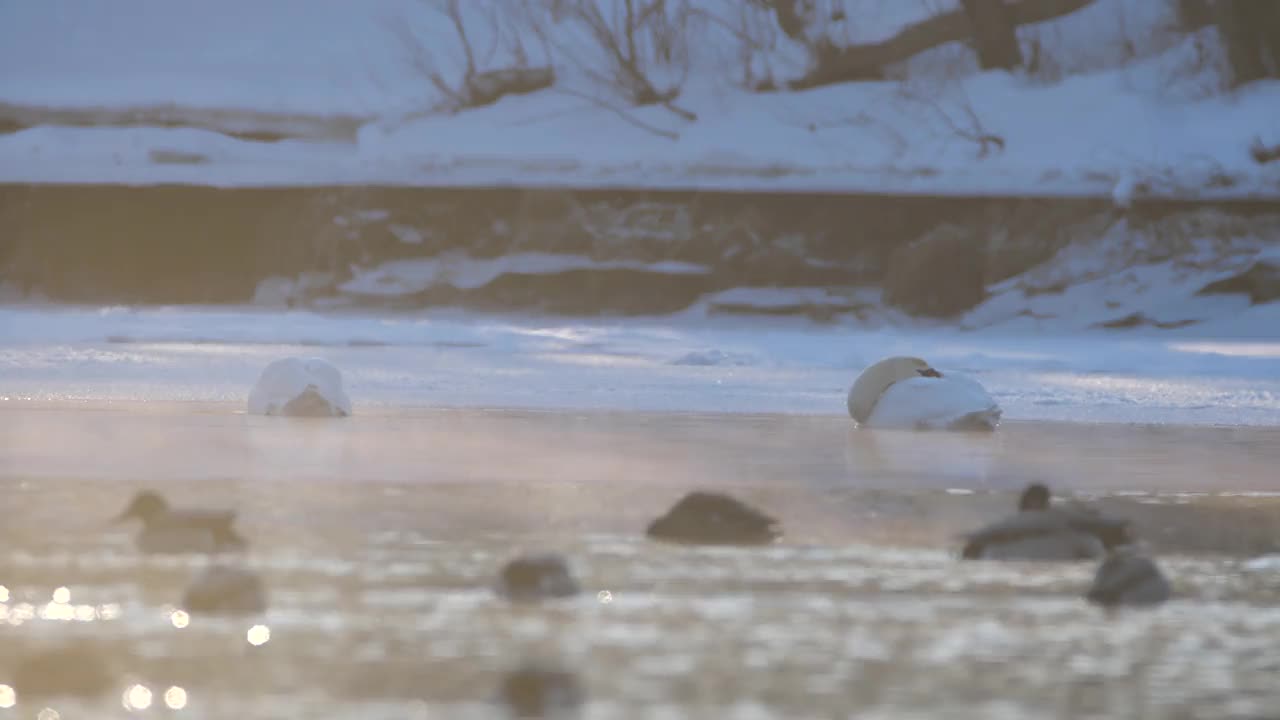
(258, 635)
(58, 609)
(136, 697)
(381, 601)
(175, 698)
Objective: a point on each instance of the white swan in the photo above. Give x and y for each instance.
(300, 387)
(905, 392)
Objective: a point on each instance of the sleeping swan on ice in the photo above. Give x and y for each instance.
(905, 392)
(300, 387)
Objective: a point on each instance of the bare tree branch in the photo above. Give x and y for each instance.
(971, 129)
(860, 62)
(454, 13)
(476, 87)
(642, 34)
(669, 134)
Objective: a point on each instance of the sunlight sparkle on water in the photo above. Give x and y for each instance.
(175, 698)
(8, 698)
(136, 697)
(258, 635)
(1232, 349)
(180, 619)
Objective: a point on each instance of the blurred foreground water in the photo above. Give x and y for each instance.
(379, 537)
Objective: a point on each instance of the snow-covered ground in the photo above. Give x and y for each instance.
(461, 360)
(1152, 278)
(1118, 100)
(1119, 105)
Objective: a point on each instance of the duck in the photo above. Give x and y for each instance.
(300, 387)
(1039, 531)
(224, 590)
(538, 691)
(907, 393)
(1127, 577)
(712, 518)
(170, 530)
(530, 578)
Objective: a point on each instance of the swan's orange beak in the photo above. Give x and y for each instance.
(929, 372)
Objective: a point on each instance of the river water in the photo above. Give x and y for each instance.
(379, 536)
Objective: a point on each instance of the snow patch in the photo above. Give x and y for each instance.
(405, 277)
(406, 234)
(1077, 136)
(280, 291)
(715, 358)
(1130, 276)
(1263, 563)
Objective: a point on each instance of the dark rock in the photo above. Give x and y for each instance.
(1126, 578)
(940, 274)
(707, 518)
(536, 577)
(540, 692)
(1261, 282)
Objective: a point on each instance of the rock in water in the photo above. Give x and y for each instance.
(300, 387)
(939, 274)
(707, 518)
(1127, 578)
(536, 577)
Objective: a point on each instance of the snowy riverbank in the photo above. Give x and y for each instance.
(462, 360)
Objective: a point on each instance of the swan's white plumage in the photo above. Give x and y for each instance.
(898, 396)
(289, 379)
(934, 403)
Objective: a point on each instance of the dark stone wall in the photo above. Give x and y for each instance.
(195, 244)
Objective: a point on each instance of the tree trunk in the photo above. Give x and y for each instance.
(994, 34)
(862, 62)
(1250, 30)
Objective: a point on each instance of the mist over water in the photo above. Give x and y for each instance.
(379, 538)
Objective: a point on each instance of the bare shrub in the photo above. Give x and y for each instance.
(636, 51)
(492, 58)
(755, 40)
